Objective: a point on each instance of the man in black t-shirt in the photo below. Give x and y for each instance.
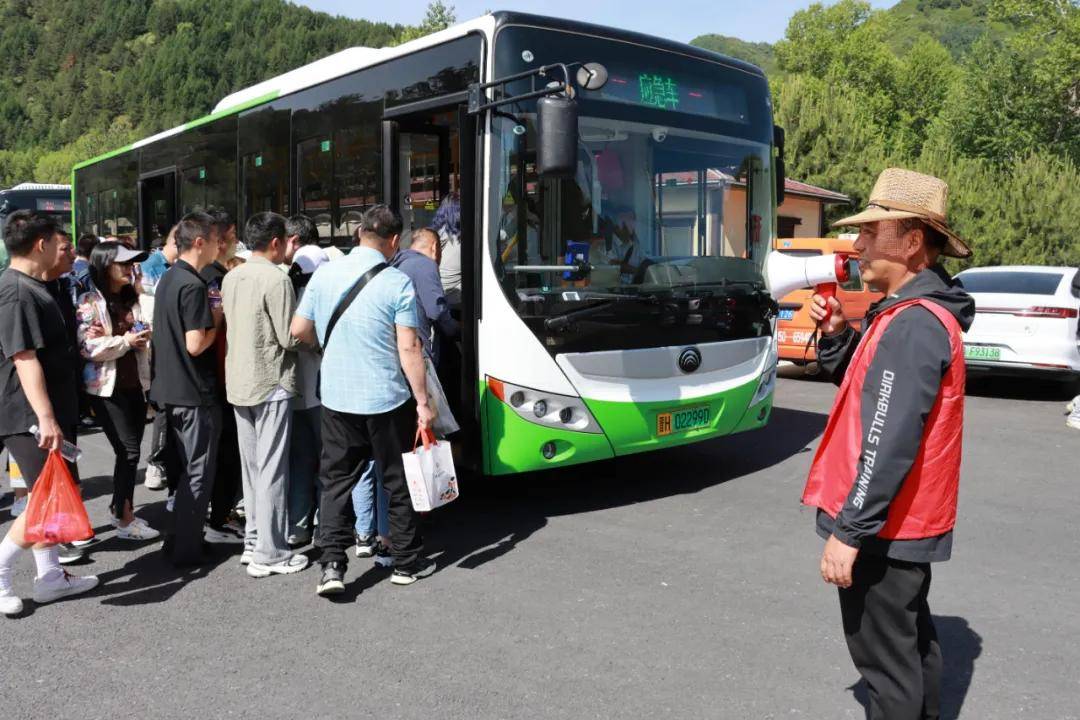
(221, 528)
(184, 380)
(37, 354)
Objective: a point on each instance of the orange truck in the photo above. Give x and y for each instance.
(794, 326)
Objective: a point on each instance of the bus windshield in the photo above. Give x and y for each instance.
(52, 201)
(669, 221)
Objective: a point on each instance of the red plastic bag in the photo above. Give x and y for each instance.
(55, 512)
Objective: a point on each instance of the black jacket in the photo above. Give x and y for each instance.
(916, 348)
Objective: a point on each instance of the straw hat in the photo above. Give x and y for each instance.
(899, 194)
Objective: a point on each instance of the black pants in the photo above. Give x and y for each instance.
(194, 432)
(349, 442)
(162, 453)
(123, 418)
(24, 450)
(891, 637)
(227, 476)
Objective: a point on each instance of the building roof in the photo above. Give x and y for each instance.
(791, 187)
(795, 187)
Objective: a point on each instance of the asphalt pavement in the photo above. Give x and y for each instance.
(680, 584)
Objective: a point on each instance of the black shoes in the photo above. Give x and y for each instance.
(332, 581)
(408, 574)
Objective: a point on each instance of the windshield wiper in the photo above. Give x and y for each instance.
(561, 322)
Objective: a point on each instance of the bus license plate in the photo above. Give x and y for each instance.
(678, 421)
(788, 314)
(981, 352)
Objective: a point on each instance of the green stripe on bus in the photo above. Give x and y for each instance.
(188, 126)
(106, 156)
(246, 105)
(632, 426)
(513, 444)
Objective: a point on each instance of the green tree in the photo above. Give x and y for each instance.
(439, 16)
(813, 35)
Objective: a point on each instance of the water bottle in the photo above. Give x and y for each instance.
(70, 451)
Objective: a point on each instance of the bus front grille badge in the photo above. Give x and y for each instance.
(689, 360)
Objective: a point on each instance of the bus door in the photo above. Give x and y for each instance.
(429, 154)
(423, 176)
(157, 206)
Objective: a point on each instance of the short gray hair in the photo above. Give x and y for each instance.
(935, 239)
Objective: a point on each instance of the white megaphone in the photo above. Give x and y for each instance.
(821, 272)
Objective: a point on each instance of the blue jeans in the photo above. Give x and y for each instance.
(304, 469)
(369, 491)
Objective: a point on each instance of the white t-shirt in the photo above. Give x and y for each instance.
(450, 266)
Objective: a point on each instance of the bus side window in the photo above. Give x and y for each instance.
(316, 180)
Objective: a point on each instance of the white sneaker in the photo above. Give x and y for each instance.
(1073, 420)
(19, 506)
(1072, 405)
(224, 534)
(155, 478)
(294, 564)
(83, 543)
(246, 557)
(137, 529)
(10, 604)
(48, 589)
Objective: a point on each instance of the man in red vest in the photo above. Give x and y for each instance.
(886, 474)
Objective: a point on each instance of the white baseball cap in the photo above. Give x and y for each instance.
(310, 257)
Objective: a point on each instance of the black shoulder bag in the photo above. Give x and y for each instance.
(342, 306)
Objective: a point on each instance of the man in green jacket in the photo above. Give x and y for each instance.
(260, 372)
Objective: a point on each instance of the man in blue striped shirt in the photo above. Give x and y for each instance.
(370, 364)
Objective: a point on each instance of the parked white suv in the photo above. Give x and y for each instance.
(1025, 321)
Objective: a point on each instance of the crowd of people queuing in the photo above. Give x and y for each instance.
(280, 388)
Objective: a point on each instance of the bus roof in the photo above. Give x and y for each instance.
(357, 58)
(38, 187)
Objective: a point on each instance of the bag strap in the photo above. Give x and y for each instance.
(347, 300)
(427, 436)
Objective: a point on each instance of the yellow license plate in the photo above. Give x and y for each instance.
(677, 421)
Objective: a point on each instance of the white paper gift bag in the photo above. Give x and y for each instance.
(429, 472)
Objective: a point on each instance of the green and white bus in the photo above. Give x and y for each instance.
(617, 195)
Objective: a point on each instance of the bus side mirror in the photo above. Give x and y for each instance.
(557, 130)
(781, 169)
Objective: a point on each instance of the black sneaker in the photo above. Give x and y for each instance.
(365, 546)
(332, 581)
(383, 558)
(70, 553)
(407, 575)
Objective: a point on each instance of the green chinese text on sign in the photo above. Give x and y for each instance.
(659, 91)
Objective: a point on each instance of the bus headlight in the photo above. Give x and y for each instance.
(561, 412)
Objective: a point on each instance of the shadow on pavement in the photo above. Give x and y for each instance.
(149, 577)
(960, 647)
(1010, 388)
(495, 514)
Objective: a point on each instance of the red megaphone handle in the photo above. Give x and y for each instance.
(827, 291)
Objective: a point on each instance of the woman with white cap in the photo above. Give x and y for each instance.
(117, 371)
